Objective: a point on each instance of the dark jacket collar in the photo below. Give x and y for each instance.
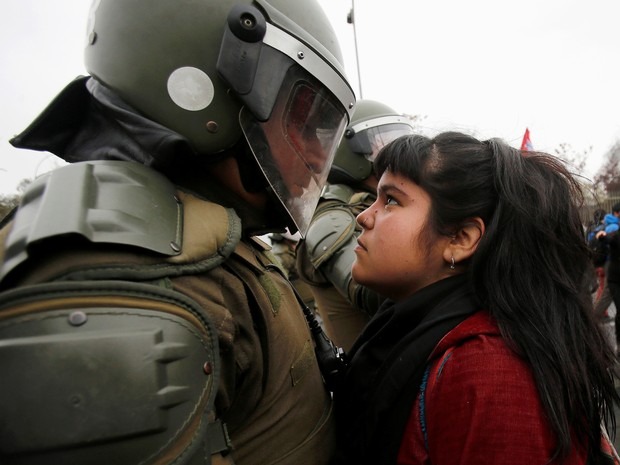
(87, 121)
(375, 398)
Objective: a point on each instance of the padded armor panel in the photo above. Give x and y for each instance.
(329, 230)
(104, 372)
(112, 202)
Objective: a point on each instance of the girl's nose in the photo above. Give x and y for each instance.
(361, 219)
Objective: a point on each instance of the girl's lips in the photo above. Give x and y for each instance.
(360, 245)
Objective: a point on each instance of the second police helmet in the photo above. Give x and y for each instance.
(216, 71)
(373, 125)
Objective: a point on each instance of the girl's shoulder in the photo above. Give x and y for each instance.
(480, 325)
(475, 354)
(479, 400)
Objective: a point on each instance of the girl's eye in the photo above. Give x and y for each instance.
(389, 200)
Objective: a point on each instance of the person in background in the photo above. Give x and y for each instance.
(140, 321)
(487, 350)
(325, 255)
(601, 296)
(611, 238)
(597, 224)
(599, 251)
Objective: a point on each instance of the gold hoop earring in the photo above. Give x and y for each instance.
(452, 263)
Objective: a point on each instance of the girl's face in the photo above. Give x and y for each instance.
(393, 255)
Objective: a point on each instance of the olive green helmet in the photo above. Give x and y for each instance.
(215, 71)
(372, 126)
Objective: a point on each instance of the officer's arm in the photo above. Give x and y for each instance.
(330, 243)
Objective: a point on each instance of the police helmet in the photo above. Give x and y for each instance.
(372, 126)
(217, 71)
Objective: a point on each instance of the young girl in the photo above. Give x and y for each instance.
(487, 351)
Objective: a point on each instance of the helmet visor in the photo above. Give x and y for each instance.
(369, 140)
(295, 147)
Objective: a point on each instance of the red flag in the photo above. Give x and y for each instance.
(526, 144)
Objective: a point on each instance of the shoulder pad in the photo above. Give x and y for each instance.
(356, 200)
(125, 204)
(340, 192)
(210, 231)
(102, 201)
(80, 342)
(328, 232)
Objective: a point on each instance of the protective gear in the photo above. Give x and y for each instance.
(109, 185)
(325, 256)
(324, 260)
(372, 126)
(331, 228)
(275, 75)
(65, 388)
(119, 337)
(119, 368)
(175, 86)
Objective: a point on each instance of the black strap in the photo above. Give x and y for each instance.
(375, 399)
(219, 440)
(389, 438)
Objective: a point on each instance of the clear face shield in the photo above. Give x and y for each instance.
(295, 148)
(371, 136)
(295, 108)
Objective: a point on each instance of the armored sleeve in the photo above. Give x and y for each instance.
(101, 357)
(329, 247)
(329, 244)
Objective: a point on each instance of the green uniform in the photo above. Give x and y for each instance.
(269, 393)
(140, 323)
(324, 260)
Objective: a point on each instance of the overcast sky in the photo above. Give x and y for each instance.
(487, 67)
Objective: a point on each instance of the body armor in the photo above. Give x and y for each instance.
(145, 323)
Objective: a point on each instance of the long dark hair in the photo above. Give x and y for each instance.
(530, 268)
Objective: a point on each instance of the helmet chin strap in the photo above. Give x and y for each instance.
(249, 169)
(253, 181)
(277, 215)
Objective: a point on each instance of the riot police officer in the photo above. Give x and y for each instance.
(325, 256)
(139, 320)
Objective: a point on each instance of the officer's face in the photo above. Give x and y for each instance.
(296, 145)
(300, 155)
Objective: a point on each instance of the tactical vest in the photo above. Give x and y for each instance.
(114, 310)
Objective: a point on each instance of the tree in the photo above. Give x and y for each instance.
(416, 121)
(23, 185)
(575, 160)
(608, 175)
(9, 201)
